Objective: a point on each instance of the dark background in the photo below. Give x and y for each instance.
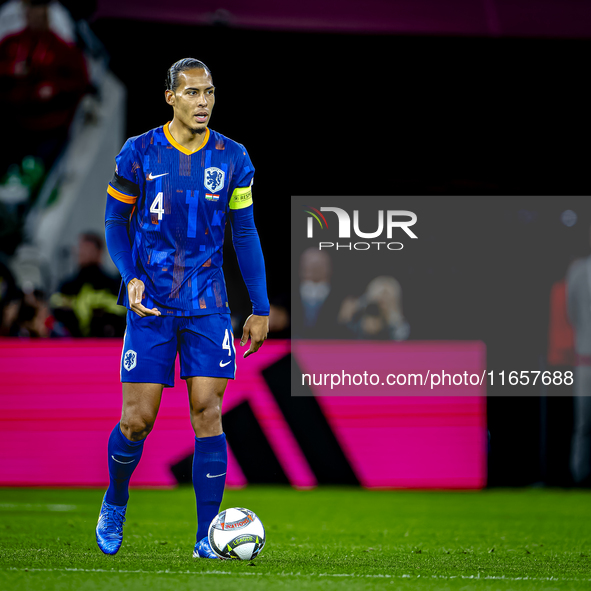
(362, 115)
(372, 115)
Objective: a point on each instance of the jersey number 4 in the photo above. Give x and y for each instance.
(226, 344)
(158, 205)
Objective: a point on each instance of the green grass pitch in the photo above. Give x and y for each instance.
(327, 538)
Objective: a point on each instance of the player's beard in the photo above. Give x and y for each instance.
(198, 130)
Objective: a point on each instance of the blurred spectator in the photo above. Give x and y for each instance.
(556, 407)
(377, 314)
(279, 322)
(9, 300)
(43, 76)
(32, 317)
(87, 302)
(561, 345)
(314, 312)
(578, 282)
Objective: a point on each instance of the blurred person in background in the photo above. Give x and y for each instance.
(279, 320)
(314, 313)
(43, 76)
(578, 288)
(33, 318)
(377, 314)
(10, 297)
(86, 303)
(556, 407)
(561, 340)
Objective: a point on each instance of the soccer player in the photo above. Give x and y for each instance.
(173, 191)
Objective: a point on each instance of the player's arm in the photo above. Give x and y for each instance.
(122, 195)
(252, 266)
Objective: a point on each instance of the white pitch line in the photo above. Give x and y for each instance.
(298, 574)
(37, 506)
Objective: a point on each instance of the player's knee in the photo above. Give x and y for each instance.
(206, 417)
(136, 427)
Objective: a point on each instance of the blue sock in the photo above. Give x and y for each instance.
(124, 456)
(210, 463)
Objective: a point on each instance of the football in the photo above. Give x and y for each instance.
(237, 534)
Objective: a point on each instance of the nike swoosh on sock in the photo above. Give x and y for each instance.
(120, 462)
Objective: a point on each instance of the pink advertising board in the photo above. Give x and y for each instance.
(59, 400)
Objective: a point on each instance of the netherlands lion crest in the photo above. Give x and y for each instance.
(129, 359)
(214, 179)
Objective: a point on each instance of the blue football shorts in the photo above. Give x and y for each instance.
(205, 345)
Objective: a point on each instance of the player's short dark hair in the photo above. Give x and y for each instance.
(187, 63)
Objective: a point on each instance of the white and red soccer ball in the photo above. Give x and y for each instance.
(237, 534)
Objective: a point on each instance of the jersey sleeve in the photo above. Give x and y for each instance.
(123, 192)
(245, 236)
(250, 258)
(241, 185)
(124, 185)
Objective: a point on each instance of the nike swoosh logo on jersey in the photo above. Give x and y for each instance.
(214, 476)
(224, 364)
(151, 177)
(120, 462)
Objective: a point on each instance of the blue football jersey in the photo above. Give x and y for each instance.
(182, 201)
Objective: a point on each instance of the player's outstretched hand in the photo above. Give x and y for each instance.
(257, 328)
(135, 291)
